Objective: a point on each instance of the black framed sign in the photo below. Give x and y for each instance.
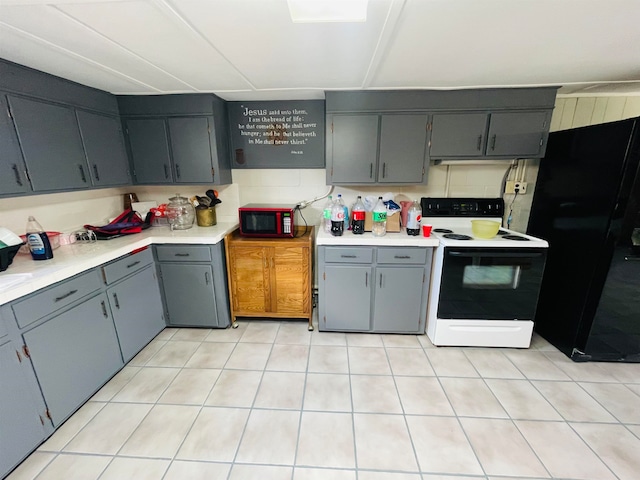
(277, 134)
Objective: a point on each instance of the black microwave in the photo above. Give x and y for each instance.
(266, 220)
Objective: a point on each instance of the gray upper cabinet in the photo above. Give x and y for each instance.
(104, 146)
(149, 147)
(368, 149)
(521, 134)
(13, 172)
(177, 138)
(51, 145)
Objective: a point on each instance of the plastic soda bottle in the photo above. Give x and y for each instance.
(379, 227)
(337, 219)
(357, 217)
(326, 215)
(414, 215)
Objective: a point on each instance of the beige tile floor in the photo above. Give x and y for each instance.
(270, 400)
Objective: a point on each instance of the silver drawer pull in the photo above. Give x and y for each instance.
(115, 299)
(347, 256)
(182, 254)
(68, 294)
(402, 256)
(133, 264)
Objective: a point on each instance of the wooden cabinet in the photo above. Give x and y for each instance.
(373, 289)
(135, 302)
(377, 149)
(105, 150)
(271, 277)
(521, 134)
(177, 138)
(23, 421)
(13, 172)
(194, 285)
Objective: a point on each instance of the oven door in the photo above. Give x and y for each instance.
(490, 283)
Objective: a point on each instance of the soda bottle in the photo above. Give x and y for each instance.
(414, 215)
(345, 210)
(337, 219)
(326, 215)
(357, 217)
(38, 241)
(379, 227)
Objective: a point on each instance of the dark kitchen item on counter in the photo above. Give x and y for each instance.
(127, 223)
(587, 206)
(6, 255)
(211, 194)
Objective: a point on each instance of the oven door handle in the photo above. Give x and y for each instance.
(495, 254)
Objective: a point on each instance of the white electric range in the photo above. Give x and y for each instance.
(483, 292)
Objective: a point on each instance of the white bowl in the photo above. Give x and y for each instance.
(9, 238)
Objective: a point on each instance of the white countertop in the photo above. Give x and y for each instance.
(26, 275)
(391, 239)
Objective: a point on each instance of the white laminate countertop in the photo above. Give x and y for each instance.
(26, 275)
(391, 239)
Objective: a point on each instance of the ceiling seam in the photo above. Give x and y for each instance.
(76, 55)
(170, 7)
(122, 47)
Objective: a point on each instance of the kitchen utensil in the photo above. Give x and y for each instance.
(180, 212)
(484, 228)
(214, 198)
(206, 201)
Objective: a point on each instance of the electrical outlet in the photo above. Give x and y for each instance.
(512, 186)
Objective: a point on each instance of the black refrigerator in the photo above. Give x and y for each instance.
(587, 206)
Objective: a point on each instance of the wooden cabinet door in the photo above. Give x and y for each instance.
(20, 421)
(519, 134)
(191, 149)
(13, 177)
(51, 145)
(104, 146)
(458, 135)
(149, 146)
(403, 143)
(353, 149)
(290, 279)
(250, 279)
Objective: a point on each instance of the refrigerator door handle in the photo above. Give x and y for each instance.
(632, 258)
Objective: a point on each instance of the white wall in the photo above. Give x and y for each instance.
(66, 212)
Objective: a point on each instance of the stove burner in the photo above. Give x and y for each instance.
(502, 232)
(442, 230)
(516, 237)
(457, 236)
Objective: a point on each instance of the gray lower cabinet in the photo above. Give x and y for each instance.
(103, 142)
(373, 289)
(194, 285)
(13, 172)
(377, 148)
(51, 144)
(23, 422)
(519, 134)
(73, 354)
(135, 301)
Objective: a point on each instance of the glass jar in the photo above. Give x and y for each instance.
(180, 213)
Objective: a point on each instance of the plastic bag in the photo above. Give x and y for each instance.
(126, 223)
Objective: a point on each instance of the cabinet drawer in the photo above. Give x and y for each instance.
(348, 255)
(183, 253)
(56, 297)
(124, 266)
(402, 255)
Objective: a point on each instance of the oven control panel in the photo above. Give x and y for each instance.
(461, 207)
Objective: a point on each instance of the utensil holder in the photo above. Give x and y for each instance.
(206, 217)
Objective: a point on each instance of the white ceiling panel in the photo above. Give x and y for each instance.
(158, 36)
(260, 39)
(32, 52)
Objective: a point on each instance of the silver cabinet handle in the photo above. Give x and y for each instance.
(371, 170)
(366, 279)
(104, 309)
(380, 280)
(493, 142)
(206, 277)
(402, 256)
(14, 167)
(479, 142)
(115, 299)
(182, 255)
(133, 264)
(384, 169)
(166, 171)
(68, 294)
(177, 170)
(82, 175)
(347, 256)
(95, 172)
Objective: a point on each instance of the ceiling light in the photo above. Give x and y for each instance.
(316, 11)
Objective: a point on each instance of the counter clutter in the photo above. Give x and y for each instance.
(25, 276)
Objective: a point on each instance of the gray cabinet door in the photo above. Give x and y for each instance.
(137, 311)
(458, 135)
(353, 149)
(149, 147)
(398, 299)
(73, 355)
(403, 143)
(347, 297)
(21, 428)
(191, 148)
(189, 294)
(518, 133)
(51, 145)
(13, 177)
(104, 146)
